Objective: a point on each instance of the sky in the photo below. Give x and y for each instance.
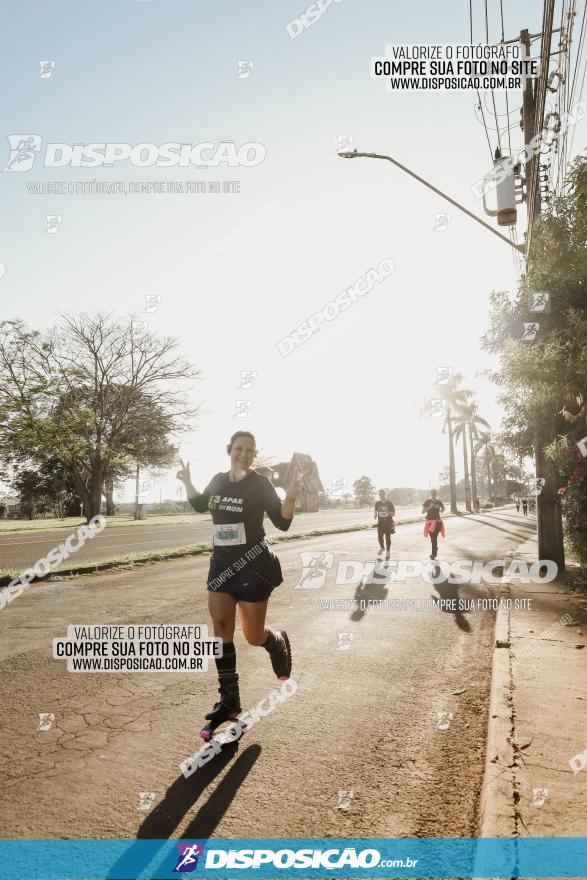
(236, 272)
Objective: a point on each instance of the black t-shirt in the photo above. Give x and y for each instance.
(433, 508)
(384, 511)
(237, 512)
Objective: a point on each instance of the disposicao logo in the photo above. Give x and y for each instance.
(24, 149)
(187, 860)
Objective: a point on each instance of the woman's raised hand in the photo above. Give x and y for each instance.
(297, 484)
(183, 473)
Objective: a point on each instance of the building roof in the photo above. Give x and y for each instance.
(285, 471)
(302, 462)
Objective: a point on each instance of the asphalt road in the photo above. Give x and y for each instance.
(363, 719)
(20, 550)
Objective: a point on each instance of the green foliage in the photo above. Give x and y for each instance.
(364, 492)
(167, 507)
(572, 467)
(93, 395)
(45, 488)
(544, 381)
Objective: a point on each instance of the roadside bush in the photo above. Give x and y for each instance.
(166, 507)
(572, 467)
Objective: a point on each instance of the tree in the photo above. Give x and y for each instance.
(443, 477)
(453, 397)
(486, 445)
(95, 395)
(364, 492)
(31, 493)
(498, 470)
(543, 381)
(468, 418)
(571, 466)
(47, 487)
(460, 432)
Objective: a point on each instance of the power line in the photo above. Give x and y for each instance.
(503, 127)
(579, 51)
(580, 94)
(492, 92)
(570, 92)
(478, 95)
(506, 94)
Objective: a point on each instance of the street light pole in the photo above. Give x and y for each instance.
(550, 532)
(352, 154)
(137, 492)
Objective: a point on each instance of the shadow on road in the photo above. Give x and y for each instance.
(182, 795)
(484, 519)
(450, 592)
(369, 590)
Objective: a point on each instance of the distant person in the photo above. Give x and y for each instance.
(517, 505)
(532, 505)
(433, 508)
(477, 505)
(384, 514)
(525, 506)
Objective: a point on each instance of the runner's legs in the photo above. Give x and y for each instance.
(252, 616)
(380, 533)
(222, 608)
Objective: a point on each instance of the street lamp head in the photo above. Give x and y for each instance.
(348, 154)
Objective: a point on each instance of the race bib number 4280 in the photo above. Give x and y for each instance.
(229, 534)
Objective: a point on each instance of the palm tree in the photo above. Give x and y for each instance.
(454, 397)
(468, 418)
(489, 453)
(460, 431)
(498, 466)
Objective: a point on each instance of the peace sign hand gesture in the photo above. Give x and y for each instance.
(183, 473)
(296, 485)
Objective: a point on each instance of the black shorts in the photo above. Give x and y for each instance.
(254, 582)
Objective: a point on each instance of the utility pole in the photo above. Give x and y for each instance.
(529, 117)
(548, 506)
(137, 493)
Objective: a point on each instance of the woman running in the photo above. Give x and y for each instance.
(243, 570)
(433, 507)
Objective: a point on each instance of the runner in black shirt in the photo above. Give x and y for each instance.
(433, 508)
(243, 571)
(384, 513)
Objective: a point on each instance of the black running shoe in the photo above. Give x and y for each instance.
(281, 656)
(227, 709)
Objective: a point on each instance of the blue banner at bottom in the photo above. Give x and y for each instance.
(294, 857)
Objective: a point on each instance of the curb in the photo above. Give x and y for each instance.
(496, 809)
(497, 817)
(181, 552)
